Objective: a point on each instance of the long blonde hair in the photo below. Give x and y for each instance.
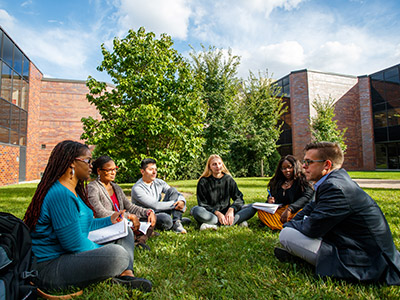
(207, 171)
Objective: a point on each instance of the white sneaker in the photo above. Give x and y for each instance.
(178, 228)
(205, 226)
(243, 224)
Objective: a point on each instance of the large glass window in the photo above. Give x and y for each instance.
(14, 91)
(385, 93)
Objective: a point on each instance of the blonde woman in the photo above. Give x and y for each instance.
(215, 190)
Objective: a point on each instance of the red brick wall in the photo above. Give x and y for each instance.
(352, 109)
(9, 164)
(63, 104)
(300, 111)
(32, 149)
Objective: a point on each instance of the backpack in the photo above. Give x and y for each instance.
(16, 259)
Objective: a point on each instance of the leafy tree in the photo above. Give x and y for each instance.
(261, 108)
(323, 127)
(154, 110)
(216, 72)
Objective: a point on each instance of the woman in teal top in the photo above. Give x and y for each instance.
(60, 218)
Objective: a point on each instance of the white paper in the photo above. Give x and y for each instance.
(267, 207)
(109, 233)
(144, 226)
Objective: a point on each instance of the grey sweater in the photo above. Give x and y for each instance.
(103, 205)
(151, 195)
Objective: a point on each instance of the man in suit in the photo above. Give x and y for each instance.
(343, 232)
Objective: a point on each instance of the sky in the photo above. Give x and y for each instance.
(352, 37)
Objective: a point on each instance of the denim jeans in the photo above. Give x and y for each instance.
(84, 268)
(164, 219)
(202, 215)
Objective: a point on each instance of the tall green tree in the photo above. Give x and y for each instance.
(155, 109)
(261, 109)
(323, 127)
(215, 70)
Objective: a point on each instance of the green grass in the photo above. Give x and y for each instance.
(375, 175)
(231, 263)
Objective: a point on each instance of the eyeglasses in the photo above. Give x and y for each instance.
(287, 168)
(86, 160)
(110, 170)
(307, 162)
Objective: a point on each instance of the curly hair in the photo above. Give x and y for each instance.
(278, 179)
(61, 158)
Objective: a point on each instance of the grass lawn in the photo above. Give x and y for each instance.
(231, 263)
(375, 174)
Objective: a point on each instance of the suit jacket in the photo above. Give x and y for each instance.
(103, 205)
(357, 243)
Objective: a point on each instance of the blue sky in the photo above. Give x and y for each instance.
(355, 37)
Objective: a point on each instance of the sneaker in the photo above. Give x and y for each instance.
(205, 226)
(243, 224)
(178, 228)
(186, 221)
(134, 282)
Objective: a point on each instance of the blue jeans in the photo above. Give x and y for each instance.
(164, 219)
(84, 268)
(202, 215)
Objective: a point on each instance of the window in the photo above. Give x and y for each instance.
(380, 119)
(8, 48)
(6, 83)
(17, 61)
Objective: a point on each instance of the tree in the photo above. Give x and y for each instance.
(154, 110)
(323, 127)
(216, 72)
(261, 109)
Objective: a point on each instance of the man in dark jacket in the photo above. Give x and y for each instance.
(343, 233)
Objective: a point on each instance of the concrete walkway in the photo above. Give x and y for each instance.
(378, 183)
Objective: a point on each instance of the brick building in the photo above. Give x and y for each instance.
(36, 113)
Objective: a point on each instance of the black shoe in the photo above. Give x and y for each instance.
(154, 234)
(186, 221)
(284, 256)
(134, 282)
(143, 246)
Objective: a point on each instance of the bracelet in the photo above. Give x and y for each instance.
(149, 211)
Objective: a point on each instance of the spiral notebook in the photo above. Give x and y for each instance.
(109, 233)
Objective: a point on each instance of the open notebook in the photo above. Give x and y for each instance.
(109, 233)
(268, 207)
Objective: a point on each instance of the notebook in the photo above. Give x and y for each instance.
(109, 233)
(268, 207)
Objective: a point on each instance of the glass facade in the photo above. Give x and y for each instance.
(285, 140)
(385, 94)
(14, 90)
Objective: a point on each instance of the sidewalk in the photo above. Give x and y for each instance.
(378, 183)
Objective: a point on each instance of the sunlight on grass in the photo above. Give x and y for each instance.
(230, 263)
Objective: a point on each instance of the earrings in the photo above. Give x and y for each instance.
(72, 172)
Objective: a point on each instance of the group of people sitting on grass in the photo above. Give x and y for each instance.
(325, 218)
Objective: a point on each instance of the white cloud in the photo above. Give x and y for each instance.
(159, 16)
(6, 20)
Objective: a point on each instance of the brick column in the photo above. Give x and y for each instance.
(300, 111)
(367, 125)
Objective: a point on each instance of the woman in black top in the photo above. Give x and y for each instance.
(288, 187)
(215, 190)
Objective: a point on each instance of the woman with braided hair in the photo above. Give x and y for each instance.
(60, 218)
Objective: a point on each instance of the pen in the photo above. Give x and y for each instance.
(116, 207)
(269, 193)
